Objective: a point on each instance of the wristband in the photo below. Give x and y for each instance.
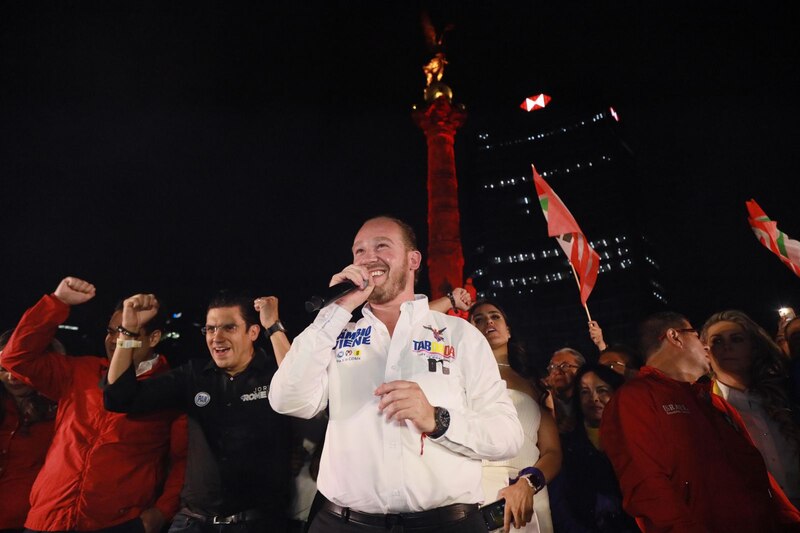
(534, 476)
(274, 328)
(128, 344)
(127, 332)
(452, 301)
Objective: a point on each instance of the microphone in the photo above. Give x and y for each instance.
(331, 294)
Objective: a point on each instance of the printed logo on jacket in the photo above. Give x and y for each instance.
(436, 351)
(348, 344)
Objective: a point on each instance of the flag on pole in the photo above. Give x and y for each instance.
(562, 226)
(771, 237)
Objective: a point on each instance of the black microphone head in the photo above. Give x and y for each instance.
(331, 294)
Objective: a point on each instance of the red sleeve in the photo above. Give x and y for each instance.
(169, 500)
(634, 443)
(26, 355)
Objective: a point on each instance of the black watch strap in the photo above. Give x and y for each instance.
(277, 326)
(442, 418)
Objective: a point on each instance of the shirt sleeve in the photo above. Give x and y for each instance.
(488, 426)
(300, 386)
(169, 501)
(634, 443)
(26, 355)
(130, 395)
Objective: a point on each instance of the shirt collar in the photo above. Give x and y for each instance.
(147, 365)
(729, 393)
(416, 309)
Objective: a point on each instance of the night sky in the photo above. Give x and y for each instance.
(180, 149)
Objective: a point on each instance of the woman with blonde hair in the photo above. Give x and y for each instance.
(750, 373)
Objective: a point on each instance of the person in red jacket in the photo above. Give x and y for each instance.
(684, 460)
(104, 471)
(27, 420)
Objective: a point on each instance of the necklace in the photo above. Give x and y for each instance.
(503, 364)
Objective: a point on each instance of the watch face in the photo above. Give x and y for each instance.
(443, 417)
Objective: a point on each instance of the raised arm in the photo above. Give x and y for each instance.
(27, 356)
(457, 300)
(267, 308)
(300, 386)
(136, 312)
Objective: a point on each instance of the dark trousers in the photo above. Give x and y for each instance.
(183, 523)
(327, 522)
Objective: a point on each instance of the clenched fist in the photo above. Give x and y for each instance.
(74, 291)
(138, 310)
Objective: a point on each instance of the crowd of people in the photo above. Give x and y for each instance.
(423, 416)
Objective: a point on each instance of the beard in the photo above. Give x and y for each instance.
(392, 287)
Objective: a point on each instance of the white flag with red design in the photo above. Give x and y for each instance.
(562, 225)
(772, 238)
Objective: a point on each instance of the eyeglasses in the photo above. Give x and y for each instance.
(679, 330)
(113, 332)
(226, 328)
(560, 366)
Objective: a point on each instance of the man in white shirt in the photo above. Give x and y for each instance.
(416, 400)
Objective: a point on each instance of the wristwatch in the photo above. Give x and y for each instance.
(442, 418)
(277, 326)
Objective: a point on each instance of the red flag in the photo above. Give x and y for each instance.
(771, 237)
(561, 225)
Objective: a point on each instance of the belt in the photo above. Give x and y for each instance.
(244, 516)
(433, 517)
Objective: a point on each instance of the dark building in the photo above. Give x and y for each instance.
(508, 253)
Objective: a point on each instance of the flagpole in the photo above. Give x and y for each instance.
(574, 273)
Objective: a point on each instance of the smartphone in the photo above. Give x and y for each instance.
(493, 514)
(786, 313)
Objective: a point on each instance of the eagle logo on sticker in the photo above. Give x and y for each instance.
(201, 399)
(437, 333)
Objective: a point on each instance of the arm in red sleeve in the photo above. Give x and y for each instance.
(169, 500)
(634, 443)
(26, 355)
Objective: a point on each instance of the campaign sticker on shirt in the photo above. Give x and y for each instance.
(202, 398)
(349, 355)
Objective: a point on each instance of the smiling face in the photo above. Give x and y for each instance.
(594, 395)
(731, 348)
(490, 321)
(229, 339)
(381, 248)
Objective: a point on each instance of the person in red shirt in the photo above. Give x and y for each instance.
(682, 455)
(104, 471)
(27, 420)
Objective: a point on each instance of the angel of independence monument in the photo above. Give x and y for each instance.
(439, 119)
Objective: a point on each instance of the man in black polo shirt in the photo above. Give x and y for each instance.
(238, 470)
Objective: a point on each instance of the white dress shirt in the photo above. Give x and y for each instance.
(780, 456)
(375, 466)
